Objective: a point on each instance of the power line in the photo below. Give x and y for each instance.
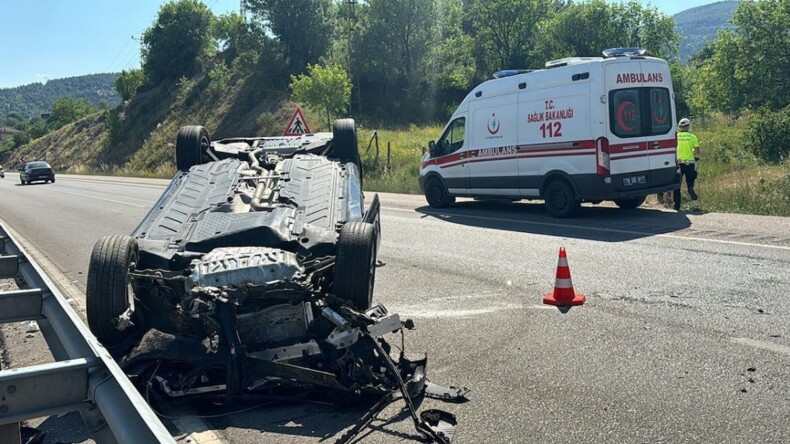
(129, 50)
(118, 55)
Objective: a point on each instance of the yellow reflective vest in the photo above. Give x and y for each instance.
(686, 144)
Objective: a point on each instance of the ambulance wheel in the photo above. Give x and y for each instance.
(560, 199)
(355, 266)
(437, 195)
(109, 291)
(192, 144)
(630, 204)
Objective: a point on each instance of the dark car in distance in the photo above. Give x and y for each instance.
(39, 170)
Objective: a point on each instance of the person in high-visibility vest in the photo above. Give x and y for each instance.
(688, 156)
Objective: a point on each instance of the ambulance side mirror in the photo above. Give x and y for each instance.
(431, 147)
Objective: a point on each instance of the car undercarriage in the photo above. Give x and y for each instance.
(253, 276)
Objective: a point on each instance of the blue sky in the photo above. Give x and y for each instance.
(52, 39)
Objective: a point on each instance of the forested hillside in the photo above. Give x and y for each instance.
(701, 24)
(31, 100)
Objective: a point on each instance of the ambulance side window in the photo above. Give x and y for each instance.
(452, 139)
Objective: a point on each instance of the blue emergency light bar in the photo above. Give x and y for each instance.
(620, 52)
(510, 72)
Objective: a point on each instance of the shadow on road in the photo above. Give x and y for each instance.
(600, 223)
(65, 429)
(320, 422)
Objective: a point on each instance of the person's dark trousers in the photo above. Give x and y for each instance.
(690, 172)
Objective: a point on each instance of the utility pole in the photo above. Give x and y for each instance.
(351, 6)
(139, 40)
(243, 9)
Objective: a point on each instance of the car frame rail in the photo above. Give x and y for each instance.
(84, 376)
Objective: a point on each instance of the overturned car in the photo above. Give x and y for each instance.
(253, 275)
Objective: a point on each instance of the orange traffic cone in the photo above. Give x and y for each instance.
(563, 294)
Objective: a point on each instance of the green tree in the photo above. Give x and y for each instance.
(718, 87)
(586, 29)
(178, 37)
(763, 41)
(508, 31)
(127, 83)
(768, 135)
(747, 67)
(390, 55)
(323, 87)
(68, 109)
(230, 31)
(302, 27)
(449, 66)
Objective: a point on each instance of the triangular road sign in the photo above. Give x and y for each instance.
(297, 125)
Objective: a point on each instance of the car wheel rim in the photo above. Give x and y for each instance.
(372, 280)
(203, 149)
(129, 285)
(559, 200)
(436, 193)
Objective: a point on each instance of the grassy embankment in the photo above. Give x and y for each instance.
(731, 179)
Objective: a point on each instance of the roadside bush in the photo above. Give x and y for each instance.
(219, 77)
(768, 134)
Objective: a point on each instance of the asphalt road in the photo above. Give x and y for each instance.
(684, 337)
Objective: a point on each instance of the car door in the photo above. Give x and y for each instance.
(493, 151)
(450, 156)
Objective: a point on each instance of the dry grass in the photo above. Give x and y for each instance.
(757, 190)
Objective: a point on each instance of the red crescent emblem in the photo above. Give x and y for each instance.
(621, 118)
(493, 122)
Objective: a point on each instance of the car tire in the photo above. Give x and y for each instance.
(345, 146)
(356, 254)
(560, 199)
(630, 204)
(436, 194)
(192, 144)
(109, 292)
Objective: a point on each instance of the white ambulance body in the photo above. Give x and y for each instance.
(583, 129)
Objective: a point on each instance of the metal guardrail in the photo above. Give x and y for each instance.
(84, 378)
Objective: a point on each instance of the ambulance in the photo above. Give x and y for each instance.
(584, 129)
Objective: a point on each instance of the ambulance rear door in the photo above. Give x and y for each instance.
(662, 147)
(628, 136)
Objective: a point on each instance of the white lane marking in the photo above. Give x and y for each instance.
(433, 313)
(196, 431)
(581, 227)
(99, 198)
(762, 345)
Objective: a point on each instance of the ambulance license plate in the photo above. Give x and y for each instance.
(634, 180)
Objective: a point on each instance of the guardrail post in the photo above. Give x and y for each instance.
(9, 266)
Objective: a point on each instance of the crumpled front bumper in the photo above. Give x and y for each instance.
(353, 361)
